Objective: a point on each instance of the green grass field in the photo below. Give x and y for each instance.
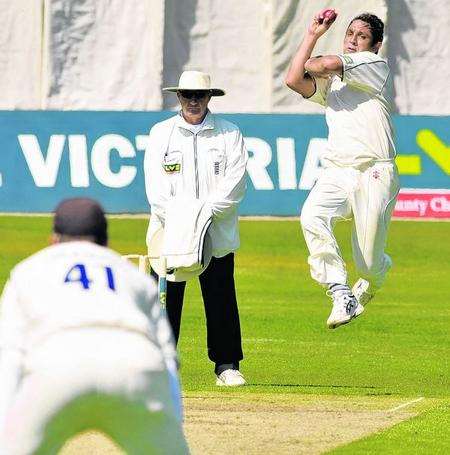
(399, 348)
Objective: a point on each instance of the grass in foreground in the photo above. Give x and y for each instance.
(427, 433)
(399, 347)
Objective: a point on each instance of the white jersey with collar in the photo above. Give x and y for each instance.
(357, 110)
(78, 285)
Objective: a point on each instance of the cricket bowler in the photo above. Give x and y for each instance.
(84, 345)
(359, 179)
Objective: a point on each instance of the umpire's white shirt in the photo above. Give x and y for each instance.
(357, 110)
(77, 288)
(206, 163)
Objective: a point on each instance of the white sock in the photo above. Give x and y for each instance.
(338, 287)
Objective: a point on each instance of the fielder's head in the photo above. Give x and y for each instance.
(364, 33)
(80, 219)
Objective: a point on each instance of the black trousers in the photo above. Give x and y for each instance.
(222, 316)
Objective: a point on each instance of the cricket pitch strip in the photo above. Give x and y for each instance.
(250, 424)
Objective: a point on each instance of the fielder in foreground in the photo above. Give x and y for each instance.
(359, 179)
(84, 345)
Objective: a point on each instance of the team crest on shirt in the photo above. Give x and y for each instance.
(376, 174)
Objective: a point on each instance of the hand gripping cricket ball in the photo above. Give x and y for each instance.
(329, 14)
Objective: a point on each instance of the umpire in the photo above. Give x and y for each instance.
(199, 155)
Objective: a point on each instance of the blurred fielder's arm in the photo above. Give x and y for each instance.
(12, 325)
(231, 189)
(157, 185)
(303, 69)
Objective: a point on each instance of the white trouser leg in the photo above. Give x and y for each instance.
(106, 379)
(372, 205)
(327, 203)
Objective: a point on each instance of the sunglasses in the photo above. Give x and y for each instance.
(197, 94)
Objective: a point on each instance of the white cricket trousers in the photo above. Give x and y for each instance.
(367, 197)
(108, 380)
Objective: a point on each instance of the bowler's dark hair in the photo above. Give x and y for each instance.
(376, 25)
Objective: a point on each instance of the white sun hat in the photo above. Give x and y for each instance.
(195, 80)
(181, 274)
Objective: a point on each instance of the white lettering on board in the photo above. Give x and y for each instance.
(43, 170)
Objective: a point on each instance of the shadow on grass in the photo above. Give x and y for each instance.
(327, 386)
(365, 390)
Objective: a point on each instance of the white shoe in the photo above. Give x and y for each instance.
(345, 308)
(361, 291)
(230, 378)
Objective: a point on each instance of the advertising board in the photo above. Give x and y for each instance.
(47, 156)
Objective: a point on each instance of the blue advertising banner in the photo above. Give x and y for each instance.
(47, 156)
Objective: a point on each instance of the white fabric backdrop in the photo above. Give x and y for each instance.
(419, 55)
(247, 46)
(103, 54)
(229, 39)
(117, 55)
(20, 54)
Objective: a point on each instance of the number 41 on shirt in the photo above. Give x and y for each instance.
(79, 274)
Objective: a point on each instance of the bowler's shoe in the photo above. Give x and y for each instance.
(345, 308)
(361, 291)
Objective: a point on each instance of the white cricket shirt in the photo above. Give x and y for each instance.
(74, 305)
(77, 285)
(357, 110)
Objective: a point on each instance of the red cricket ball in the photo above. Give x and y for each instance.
(329, 14)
